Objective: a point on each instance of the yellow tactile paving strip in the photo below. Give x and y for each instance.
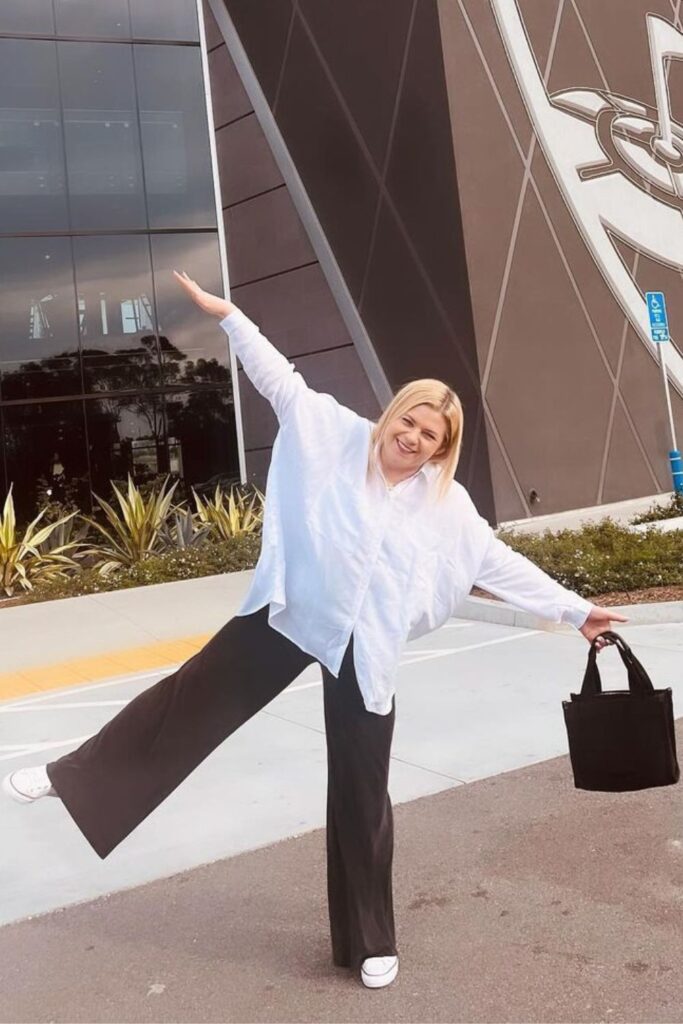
(78, 671)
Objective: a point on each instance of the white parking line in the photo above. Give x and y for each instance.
(10, 751)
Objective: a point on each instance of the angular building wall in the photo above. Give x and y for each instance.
(275, 276)
(569, 217)
(520, 280)
(360, 102)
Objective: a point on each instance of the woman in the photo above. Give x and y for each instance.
(367, 541)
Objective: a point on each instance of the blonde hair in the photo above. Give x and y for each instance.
(441, 398)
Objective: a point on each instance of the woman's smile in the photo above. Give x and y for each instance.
(403, 449)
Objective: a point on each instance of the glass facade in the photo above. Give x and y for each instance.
(105, 187)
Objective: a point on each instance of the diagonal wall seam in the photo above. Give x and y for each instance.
(302, 203)
(518, 213)
(472, 373)
(387, 154)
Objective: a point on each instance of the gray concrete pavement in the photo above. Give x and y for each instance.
(474, 699)
(518, 898)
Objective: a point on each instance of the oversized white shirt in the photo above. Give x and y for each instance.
(344, 553)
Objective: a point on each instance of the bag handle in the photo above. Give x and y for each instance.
(638, 680)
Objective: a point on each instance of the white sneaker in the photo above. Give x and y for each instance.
(378, 971)
(28, 784)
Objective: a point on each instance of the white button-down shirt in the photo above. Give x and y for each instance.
(344, 553)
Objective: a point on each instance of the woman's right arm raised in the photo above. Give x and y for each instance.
(269, 371)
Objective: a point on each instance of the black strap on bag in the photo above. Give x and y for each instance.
(638, 680)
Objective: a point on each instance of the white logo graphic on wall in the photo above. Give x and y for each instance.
(618, 163)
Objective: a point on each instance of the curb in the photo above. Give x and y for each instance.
(486, 609)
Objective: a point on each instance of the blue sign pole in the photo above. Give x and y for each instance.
(659, 332)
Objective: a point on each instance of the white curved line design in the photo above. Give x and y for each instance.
(609, 156)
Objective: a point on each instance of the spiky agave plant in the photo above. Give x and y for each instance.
(184, 531)
(22, 563)
(136, 532)
(235, 519)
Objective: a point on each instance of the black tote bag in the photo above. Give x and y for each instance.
(621, 740)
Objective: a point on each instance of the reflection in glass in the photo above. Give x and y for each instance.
(26, 16)
(102, 139)
(194, 349)
(38, 331)
(116, 313)
(172, 19)
(126, 435)
(202, 425)
(32, 182)
(175, 137)
(85, 18)
(45, 447)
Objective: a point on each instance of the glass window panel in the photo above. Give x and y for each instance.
(85, 18)
(175, 137)
(32, 180)
(26, 16)
(202, 438)
(126, 435)
(116, 313)
(102, 137)
(172, 19)
(194, 349)
(38, 330)
(45, 447)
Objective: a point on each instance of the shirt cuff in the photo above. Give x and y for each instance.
(576, 615)
(234, 320)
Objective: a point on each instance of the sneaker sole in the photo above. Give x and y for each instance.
(10, 790)
(379, 980)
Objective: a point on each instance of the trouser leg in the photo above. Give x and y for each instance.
(360, 835)
(121, 774)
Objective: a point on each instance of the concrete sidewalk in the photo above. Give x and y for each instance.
(518, 899)
(79, 640)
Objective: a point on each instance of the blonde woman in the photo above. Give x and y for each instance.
(368, 541)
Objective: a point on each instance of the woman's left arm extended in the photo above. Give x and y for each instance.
(514, 578)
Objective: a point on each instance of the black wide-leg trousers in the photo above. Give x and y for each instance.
(116, 779)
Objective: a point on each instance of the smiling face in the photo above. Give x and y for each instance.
(411, 440)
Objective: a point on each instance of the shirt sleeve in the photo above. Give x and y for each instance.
(269, 371)
(514, 578)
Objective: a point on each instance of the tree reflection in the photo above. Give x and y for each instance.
(133, 427)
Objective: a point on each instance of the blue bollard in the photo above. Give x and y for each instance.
(676, 470)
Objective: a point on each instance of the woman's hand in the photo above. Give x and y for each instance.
(598, 621)
(205, 300)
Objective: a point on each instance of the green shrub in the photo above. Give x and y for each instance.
(672, 510)
(603, 557)
(208, 559)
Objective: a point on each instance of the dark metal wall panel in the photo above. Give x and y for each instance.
(361, 102)
(273, 270)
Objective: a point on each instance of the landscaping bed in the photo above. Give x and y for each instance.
(152, 541)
